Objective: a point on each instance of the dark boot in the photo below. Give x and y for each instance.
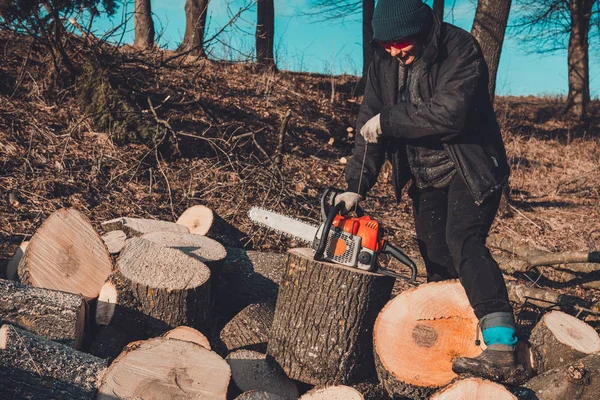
(495, 365)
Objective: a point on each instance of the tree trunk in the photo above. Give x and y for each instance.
(438, 9)
(367, 32)
(417, 336)
(474, 388)
(265, 32)
(195, 23)
(488, 28)
(324, 317)
(34, 368)
(59, 316)
(578, 58)
(144, 26)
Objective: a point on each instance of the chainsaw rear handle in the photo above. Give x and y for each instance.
(400, 256)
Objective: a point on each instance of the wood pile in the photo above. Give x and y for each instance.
(154, 310)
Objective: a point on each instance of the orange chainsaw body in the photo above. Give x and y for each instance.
(366, 228)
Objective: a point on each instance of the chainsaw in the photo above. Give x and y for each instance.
(353, 242)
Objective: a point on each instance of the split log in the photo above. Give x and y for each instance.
(251, 370)
(58, 316)
(189, 335)
(417, 336)
(204, 221)
(559, 339)
(34, 368)
(324, 317)
(250, 328)
(114, 240)
(258, 395)
(474, 389)
(155, 289)
(139, 226)
(160, 368)
(13, 263)
(578, 380)
(66, 254)
(333, 393)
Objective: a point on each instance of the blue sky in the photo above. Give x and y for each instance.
(304, 44)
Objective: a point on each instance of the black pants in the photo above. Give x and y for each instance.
(451, 231)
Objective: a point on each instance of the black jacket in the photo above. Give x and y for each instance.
(456, 111)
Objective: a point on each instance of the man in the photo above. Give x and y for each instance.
(426, 105)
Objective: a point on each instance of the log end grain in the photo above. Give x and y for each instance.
(189, 335)
(473, 389)
(333, 393)
(198, 219)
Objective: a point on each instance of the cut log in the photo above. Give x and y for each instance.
(559, 339)
(160, 368)
(198, 219)
(58, 316)
(250, 328)
(189, 335)
(417, 336)
(251, 370)
(13, 263)
(108, 342)
(139, 226)
(114, 240)
(34, 368)
(66, 254)
(333, 393)
(474, 389)
(155, 289)
(324, 317)
(201, 220)
(248, 277)
(578, 380)
(258, 395)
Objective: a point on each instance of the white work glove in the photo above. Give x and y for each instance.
(372, 129)
(350, 200)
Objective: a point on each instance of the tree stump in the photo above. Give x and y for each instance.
(189, 335)
(160, 368)
(578, 380)
(58, 316)
(139, 226)
(66, 254)
(250, 328)
(34, 368)
(204, 221)
(13, 263)
(333, 393)
(417, 336)
(258, 395)
(559, 339)
(251, 370)
(322, 328)
(155, 289)
(114, 240)
(474, 389)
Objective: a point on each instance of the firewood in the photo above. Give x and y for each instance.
(201, 220)
(13, 263)
(155, 289)
(114, 240)
(250, 328)
(417, 336)
(161, 368)
(577, 380)
(258, 395)
(108, 342)
(324, 317)
(58, 316)
(66, 254)
(474, 389)
(35, 368)
(139, 226)
(188, 334)
(559, 339)
(333, 393)
(251, 370)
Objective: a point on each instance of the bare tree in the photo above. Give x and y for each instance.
(438, 8)
(367, 33)
(265, 32)
(144, 26)
(489, 28)
(578, 56)
(195, 23)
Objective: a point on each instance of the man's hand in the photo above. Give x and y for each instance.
(372, 129)
(350, 200)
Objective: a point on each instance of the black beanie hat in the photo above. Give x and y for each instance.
(395, 19)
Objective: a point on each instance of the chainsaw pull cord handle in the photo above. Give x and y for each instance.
(333, 212)
(400, 256)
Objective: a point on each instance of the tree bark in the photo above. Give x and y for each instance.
(144, 26)
(265, 32)
(324, 317)
(367, 34)
(578, 58)
(250, 328)
(489, 27)
(438, 9)
(195, 24)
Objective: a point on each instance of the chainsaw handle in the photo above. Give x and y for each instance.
(328, 201)
(400, 256)
(333, 212)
